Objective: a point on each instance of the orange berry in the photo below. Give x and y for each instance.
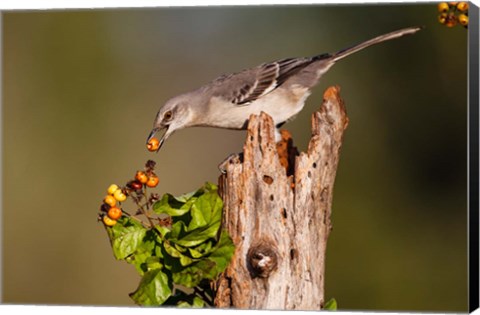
(153, 144)
(462, 6)
(114, 213)
(119, 195)
(141, 177)
(463, 19)
(110, 200)
(152, 181)
(443, 7)
(109, 222)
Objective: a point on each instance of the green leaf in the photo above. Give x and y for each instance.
(201, 250)
(180, 248)
(177, 206)
(210, 205)
(197, 303)
(331, 305)
(210, 266)
(199, 236)
(171, 206)
(174, 252)
(154, 289)
(177, 231)
(158, 251)
(195, 273)
(127, 242)
(119, 228)
(223, 252)
(145, 250)
(195, 254)
(152, 263)
(181, 299)
(162, 229)
(184, 198)
(139, 258)
(197, 218)
(185, 260)
(209, 187)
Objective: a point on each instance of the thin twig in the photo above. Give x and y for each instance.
(202, 294)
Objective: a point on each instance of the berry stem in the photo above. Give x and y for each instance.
(142, 210)
(144, 191)
(134, 217)
(147, 216)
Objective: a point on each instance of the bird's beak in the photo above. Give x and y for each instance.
(164, 137)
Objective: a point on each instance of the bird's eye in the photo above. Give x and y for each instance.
(168, 115)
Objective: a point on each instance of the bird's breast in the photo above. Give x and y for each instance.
(281, 105)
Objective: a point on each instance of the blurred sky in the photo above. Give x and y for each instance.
(81, 89)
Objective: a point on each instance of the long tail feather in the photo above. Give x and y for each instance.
(396, 34)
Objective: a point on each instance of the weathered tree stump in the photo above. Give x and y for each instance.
(280, 222)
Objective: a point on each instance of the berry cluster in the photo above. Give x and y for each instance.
(452, 13)
(109, 206)
(135, 189)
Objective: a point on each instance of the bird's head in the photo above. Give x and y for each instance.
(174, 115)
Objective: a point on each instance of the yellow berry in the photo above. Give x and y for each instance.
(110, 200)
(112, 188)
(462, 6)
(442, 18)
(443, 7)
(463, 19)
(119, 195)
(109, 222)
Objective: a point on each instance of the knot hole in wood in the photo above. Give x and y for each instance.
(262, 259)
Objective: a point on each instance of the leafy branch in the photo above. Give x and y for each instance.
(178, 251)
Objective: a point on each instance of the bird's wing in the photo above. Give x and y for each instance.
(249, 85)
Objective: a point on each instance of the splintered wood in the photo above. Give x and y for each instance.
(277, 207)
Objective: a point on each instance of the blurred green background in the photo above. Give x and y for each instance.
(81, 89)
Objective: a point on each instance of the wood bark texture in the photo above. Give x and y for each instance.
(280, 222)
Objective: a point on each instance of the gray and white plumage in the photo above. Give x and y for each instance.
(278, 88)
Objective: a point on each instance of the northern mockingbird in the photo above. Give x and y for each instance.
(278, 88)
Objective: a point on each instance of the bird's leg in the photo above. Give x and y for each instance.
(278, 133)
(229, 159)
